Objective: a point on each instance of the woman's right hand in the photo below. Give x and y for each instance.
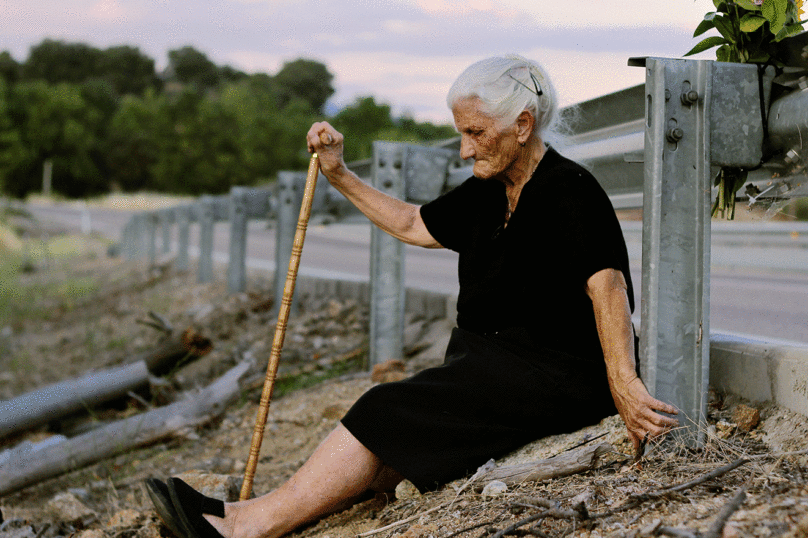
(327, 142)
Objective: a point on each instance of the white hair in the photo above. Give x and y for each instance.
(507, 86)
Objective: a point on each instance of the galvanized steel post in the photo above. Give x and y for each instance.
(151, 236)
(698, 113)
(674, 341)
(166, 219)
(183, 217)
(237, 263)
(387, 261)
(290, 188)
(205, 215)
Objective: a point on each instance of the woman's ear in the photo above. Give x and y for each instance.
(524, 126)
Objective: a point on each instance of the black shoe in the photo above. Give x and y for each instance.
(190, 506)
(161, 499)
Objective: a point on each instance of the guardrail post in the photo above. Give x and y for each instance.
(289, 198)
(151, 236)
(698, 113)
(674, 341)
(387, 261)
(205, 215)
(182, 215)
(237, 263)
(165, 218)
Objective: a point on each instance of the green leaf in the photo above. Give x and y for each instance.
(789, 31)
(749, 5)
(751, 22)
(703, 27)
(720, 5)
(724, 53)
(725, 28)
(708, 43)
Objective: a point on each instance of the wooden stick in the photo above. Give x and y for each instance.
(280, 328)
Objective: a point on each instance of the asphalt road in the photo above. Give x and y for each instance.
(771, 305)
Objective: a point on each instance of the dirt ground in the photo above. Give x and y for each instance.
(70, 308)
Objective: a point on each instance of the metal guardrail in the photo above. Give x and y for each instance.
(654, 146)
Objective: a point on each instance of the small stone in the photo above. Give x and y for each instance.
(421, 531)
(334, 412)
(495, 488)
(730, 531)
(91, 533)
(385, 372)
(125, 518)
(407, 490)
(747, 418)
(218, 486)
(66, 507)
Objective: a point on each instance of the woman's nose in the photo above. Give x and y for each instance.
(466, 148)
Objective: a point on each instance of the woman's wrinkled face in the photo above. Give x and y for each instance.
(494, 150)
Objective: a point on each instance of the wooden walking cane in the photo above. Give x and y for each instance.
(283, 318)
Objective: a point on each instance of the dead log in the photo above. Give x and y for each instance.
(57, 400)
(566, 463)
(60, 399)
(25, 466)
(174, 349)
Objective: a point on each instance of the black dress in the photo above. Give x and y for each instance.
(525, 361)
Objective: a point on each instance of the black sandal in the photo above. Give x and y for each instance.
(161, 499)
(191, 505)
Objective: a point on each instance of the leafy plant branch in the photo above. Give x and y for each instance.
(749, 31)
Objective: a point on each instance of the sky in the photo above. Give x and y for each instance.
(405, 53)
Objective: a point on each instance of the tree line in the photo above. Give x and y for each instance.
(107, 120)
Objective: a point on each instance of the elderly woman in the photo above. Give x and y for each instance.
(544, 342)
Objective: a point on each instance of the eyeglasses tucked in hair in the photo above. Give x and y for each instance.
(536, 84)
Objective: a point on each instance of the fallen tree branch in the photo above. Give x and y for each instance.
(25, 466)
(57, 400)
(564, 464)
(405, 520)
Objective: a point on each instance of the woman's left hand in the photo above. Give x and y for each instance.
(641, 411)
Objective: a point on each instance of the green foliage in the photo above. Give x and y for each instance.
(365, 121)
(105, 121)
(189, 66)
(749, 30)
(124, 68)
(58, 123)
(307, 79)
(749, 33)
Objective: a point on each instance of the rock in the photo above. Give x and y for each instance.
(334, 412)
(800, 531)
(730, 531)
(407, 490)
(747, 418)
(421, 531)
(495, 488)
(66, 507)
(387, 371)
(91, 533)
(218, 486)
(125, 518)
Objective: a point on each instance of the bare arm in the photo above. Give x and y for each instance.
(400, 219)
(608, 291)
